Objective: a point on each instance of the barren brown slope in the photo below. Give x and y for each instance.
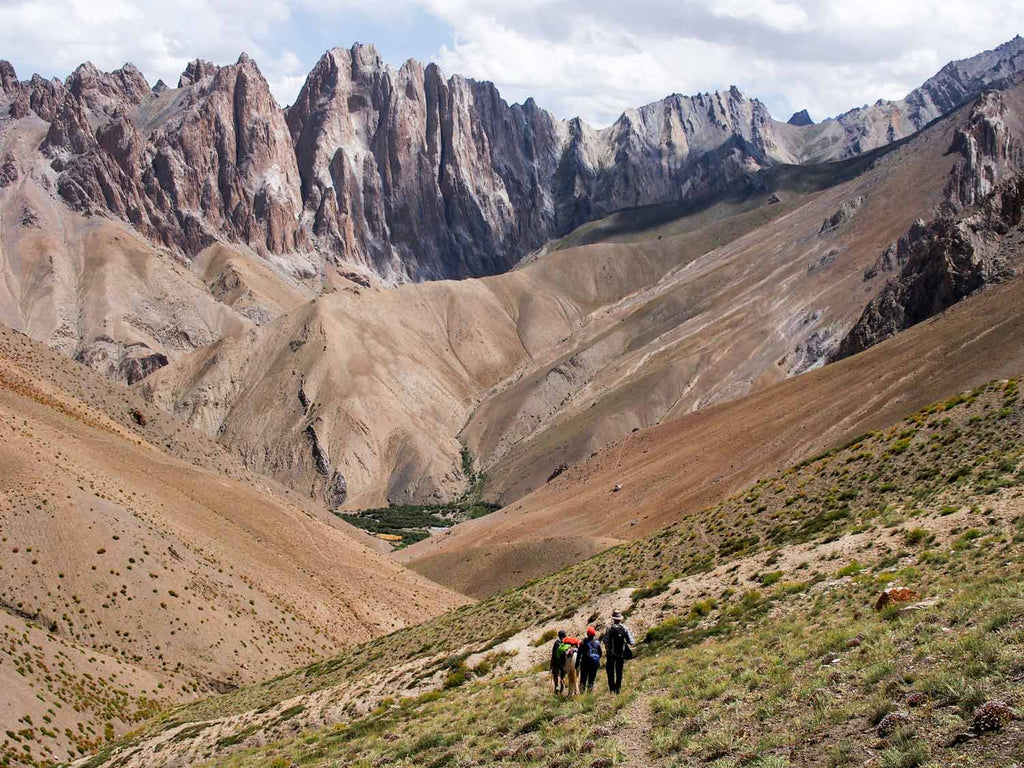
(384, 380)
(770, 304)
(687, 464)
(142, 563)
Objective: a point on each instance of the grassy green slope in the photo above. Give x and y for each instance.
(759, 673)
(794, 676)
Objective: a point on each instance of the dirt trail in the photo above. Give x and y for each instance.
(633, 739)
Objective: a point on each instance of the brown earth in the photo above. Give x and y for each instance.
(142, 564)
(638, 320)
(680, 467)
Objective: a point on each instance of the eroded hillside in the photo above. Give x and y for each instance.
(538, 369)
(143, 565)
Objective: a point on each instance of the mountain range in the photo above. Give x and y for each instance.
(140, 224)
(408, 174)
(227, 326)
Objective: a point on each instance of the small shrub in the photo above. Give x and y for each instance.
(915, 536)
(546, 637)
(852, 569)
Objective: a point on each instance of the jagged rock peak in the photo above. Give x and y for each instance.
(800, 118)
(366, 54)
(960, 80)
(108, 91)
(989, 151)
(195, 71)
(69, 132)
(8, 77)
(160, 87)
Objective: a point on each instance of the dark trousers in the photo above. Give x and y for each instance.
(588, 674)
(614, 667)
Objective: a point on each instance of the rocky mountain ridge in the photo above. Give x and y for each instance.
(407, 174)
(363, 396)
(549, 363)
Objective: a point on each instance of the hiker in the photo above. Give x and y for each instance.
(557, 668)
(617, 639)
(588, 660)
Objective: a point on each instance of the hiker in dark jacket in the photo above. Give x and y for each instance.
(556, 667)
(588, 660)
(617, 639)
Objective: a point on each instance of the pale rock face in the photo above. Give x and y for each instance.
(680, 148)
(416, 176)
(988, 147)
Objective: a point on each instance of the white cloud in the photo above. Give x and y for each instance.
(594, 59)
(824, 55)
(54, 36)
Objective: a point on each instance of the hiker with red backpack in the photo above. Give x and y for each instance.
(617, 639)
(588, 660)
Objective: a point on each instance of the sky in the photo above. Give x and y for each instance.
(591, 58)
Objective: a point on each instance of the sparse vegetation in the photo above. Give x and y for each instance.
(746, 676)
(405, 524)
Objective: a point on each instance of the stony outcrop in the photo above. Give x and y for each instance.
(69, 133)
(988, 148)
(9, 172)
(38, 95)
(966, 246)
(108, 92)
(121, 362)
(944, 262)
(337, 491)
(800, 118)
(196, 71)
(846, 212)
(992, 716)
(897, 253)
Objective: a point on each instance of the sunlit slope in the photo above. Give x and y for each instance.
(143, 565)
